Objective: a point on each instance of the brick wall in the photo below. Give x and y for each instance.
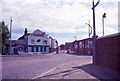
(108, 51)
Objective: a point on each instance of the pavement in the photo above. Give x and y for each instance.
(80, 70)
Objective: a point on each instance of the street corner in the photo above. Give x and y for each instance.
(75, 70)
(68, 71)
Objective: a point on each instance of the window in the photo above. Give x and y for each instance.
(76, 46)
(38, 40)
(36, 49)
(45, 42)
(45, 49)
(91, 44)
(41, 49)
(80, 44)
(32, 49)
(32, 41)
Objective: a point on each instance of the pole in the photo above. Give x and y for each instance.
(103, 24)
(104, 16)
(89, 35)
(10, 36)
(94, 36)
(89, 28)
(75, 38)
(94, 32)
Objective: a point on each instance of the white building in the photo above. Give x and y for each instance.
(34, 43)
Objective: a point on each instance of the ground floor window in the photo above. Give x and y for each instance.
(37, 49)
(32, 49)
(45, 49)
(41, 49)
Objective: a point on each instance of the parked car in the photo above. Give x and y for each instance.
(68, 51)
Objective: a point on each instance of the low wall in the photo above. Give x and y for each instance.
(108, 51)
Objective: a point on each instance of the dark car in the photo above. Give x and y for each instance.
(68, 51)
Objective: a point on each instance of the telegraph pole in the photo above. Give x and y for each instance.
(94, 32)
(11, 36)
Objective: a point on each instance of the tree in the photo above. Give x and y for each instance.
(5, 35)
(0, 38)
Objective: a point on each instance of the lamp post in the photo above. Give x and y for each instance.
(90, 29)
(11, 36)
(75, 38)
(104, 16)
(90, 32)
(94, 31)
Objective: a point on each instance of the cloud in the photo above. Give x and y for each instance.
(60, 16)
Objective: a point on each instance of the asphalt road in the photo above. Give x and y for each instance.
(28, 67)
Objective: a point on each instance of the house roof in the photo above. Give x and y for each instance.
(22, 37)
(35, 33)
(38, 32)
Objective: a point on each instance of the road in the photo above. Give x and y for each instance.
(28, 67)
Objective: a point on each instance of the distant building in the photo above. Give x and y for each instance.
(62, 47)
(80, 47)
(83, 47)
(53, 44)
(14, 47)
(68, 45)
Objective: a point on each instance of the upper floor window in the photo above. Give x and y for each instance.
(80, 44)
(45, 42)
(32, 41)
(76, 46)
(38, 40)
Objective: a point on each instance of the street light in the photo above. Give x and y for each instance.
(94, 32)
(104, 16)
(90, 32)
(90, 29)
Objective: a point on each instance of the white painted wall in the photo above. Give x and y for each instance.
(35, 38)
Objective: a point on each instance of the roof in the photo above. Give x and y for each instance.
(38, 32)
(82, 40)
(22, 37)
(35, 33)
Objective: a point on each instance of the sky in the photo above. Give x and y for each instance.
(62, 19)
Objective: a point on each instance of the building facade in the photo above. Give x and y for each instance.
(79, 47)
(53, 44)
(13, 49)
(36, 42)
(83, 47)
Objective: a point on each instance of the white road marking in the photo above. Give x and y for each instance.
(43, 74)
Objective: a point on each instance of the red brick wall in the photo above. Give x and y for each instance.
(108, 51)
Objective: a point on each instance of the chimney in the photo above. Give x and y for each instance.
(25, 32)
